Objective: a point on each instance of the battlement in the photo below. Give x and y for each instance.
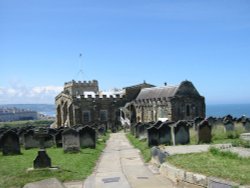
(100, 97)
(93, 83)
(77, 88)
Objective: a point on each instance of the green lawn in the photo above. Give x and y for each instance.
(72, 166)
(39, 123)
(142, 145)
(215, 163)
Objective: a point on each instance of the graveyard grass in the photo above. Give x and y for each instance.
(40, 123)
(13, 171)
(142, 145)
(215, 163)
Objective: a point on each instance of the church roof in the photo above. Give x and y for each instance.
(157, 92)
(142, 85)
(186, 88)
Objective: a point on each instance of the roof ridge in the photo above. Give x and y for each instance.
(161, 87)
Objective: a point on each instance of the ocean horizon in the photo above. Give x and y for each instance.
(215, 110)
(221, 110)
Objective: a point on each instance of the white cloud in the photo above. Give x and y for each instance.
(22, 94)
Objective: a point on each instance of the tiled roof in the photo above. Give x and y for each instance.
(157, 92)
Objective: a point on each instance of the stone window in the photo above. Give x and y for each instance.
(103, 115)
(86, 116)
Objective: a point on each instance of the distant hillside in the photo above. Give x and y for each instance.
(46, 109)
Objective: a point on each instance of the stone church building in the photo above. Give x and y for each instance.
(82, 103)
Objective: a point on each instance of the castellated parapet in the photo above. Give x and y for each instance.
(78, 88)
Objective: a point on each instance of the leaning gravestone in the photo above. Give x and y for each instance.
(181, 133)
(204, 130)
(10, 143)
(87, 137)
(70, 140)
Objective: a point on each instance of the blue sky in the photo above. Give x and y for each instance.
(124, 43)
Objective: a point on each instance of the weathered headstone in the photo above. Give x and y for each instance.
(204, 132)
(21, 133)
(153, 136)
(136, 130)
(101, 129)
(229, 126)
(181, 133)
(70, 140)
(42, 160)
(197, 120)
(49, 141)
(142, 131)
(10, 143)
(132, 128)
(87, 137)
(165, 133)
(29, 141)
(58, 138)
(246, 125)
(228, 122)
(2, 130)
(211, 120)
(245, 137)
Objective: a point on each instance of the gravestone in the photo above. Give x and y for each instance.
(101, 129)
(132, 128)
(87, 137)
(245, 137)
(49, 141)
(228, 122)
(165, 133)
(229, 125)
(181, 133)
(197, 120)
(70, 141)
(204, 132)
(21, 133)
(153, 136)
(136, 129)
(42, 160)
(58, 138)
(142, 131)
(29, 141)
(2, 130)
(246, 125)
(10, 143)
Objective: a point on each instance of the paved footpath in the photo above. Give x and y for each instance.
(121, 166)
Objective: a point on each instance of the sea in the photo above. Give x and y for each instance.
(221, 110)
(215, 110)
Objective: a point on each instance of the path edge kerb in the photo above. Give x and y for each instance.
(180, 175)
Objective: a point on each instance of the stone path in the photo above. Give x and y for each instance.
(121, 166)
